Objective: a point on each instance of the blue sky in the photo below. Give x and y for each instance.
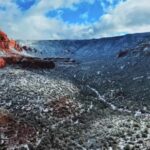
(25, 4)
(73, 19)
(83, 12)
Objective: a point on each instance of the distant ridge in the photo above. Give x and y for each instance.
(85, 49)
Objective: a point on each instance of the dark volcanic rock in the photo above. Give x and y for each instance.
(36, 63)
(122, 54)
(29, 62)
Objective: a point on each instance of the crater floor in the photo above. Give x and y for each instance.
(70, 107)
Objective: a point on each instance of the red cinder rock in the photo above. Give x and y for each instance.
(6, 45)
(3, 36)
(15, 131)
(2, 63)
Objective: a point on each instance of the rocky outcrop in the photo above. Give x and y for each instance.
(2, 63)
(7, 45)
(12, 55)
(27, 62)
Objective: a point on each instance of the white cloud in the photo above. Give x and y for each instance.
(33, 24)
(127, 17)
(45, 5)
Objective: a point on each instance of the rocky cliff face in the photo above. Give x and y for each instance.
(85, 49)
(14, 54)
(7, 45)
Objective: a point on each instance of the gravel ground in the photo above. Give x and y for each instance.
(52, 109)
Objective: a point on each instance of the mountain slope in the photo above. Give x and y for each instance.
(101, 102)
(85, 49)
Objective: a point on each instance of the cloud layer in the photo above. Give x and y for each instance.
(128, 16)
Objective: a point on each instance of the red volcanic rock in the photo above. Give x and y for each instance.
(3, 36)
(12, 58)
(6, 44)
(16, 132)
(2, 63)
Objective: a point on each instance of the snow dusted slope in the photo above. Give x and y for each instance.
(85, 49)
(102, 102)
